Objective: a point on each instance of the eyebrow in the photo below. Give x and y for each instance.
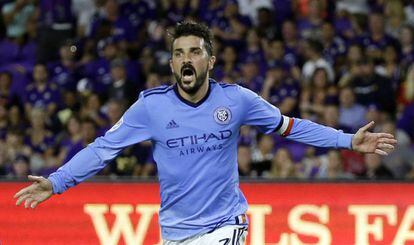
(191, 49)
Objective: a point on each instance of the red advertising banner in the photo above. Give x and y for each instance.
(279, 213)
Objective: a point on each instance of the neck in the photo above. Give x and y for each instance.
(196, 97)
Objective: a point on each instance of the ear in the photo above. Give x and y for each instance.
(211, 62)
(171, 66)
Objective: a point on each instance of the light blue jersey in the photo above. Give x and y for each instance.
(195, 148)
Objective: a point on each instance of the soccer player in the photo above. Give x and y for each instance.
(194, 125)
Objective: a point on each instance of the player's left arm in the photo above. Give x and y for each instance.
(311, 133)
(266, 117)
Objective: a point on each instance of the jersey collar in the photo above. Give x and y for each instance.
(192, 104)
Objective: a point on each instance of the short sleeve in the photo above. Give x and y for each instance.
(258, 112)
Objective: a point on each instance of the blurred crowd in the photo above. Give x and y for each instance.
(69, 69)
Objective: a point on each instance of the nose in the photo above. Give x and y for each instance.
(186, 59)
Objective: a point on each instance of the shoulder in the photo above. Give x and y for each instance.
(226, 87)
(161, 90)
(236, 91)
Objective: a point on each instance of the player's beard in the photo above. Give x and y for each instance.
(199, 80)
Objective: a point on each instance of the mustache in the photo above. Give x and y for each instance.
(187, 66)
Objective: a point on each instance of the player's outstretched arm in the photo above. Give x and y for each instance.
(40, 190)
(367, 142)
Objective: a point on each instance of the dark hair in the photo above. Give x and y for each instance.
(191, 28)
(315, 45)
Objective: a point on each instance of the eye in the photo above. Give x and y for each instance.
(178, 54)
(197, 52)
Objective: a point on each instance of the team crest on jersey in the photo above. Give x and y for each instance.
(222, 115)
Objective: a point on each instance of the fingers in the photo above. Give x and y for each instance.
(34, 204)
(22, 198)
(387, 141)
(34, 178)
(23, 191)
(381, 152)
(385, 135)
(385, 146)
(367, 126)
(27, 202)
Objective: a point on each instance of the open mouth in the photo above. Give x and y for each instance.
(187, 73)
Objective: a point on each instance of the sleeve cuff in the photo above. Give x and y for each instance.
(56, 184)
(344, 140)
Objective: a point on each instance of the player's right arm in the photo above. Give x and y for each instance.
(130, 129)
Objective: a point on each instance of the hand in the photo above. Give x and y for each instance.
(367, 142)
(36, 193)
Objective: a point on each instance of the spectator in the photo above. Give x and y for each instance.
(16, 121)
(310, 23)
(351, 114)
(251, 8)
(15, 15)
(406, 40)
(334, 46)
(85, 12)
(70, 137)
(88, 134)
(316, 94)
(4, 163)
(227, 64)
(376, 39)
(313, 53)
(3, 122)
(290, 38)
(153, 80)
(14, 146)
(254, 51)
(389, 67)
(244, 157)
(232, 26)
(178, 10)
(409, 13)
(394, 17)
(369, 87)
(331, 118)
(64, 72)
(334, 169)
(406, 121)
(21, 167)
(56, 25)
(91, 110)
(375, 168)
(7, 96)
(282, 166)
(114, 110)
(406, 92)
(40, 93)
(281, 90)
(122, 88)
(250, 76)
(401, 160)
(39, 139)
(262, 154)
(353, 6)
(266, 27)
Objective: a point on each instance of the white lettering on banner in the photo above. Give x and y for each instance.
(369, 220)
(257, 215)
(122, 225)
(404, 233)
(363, 228)
(300, 226)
